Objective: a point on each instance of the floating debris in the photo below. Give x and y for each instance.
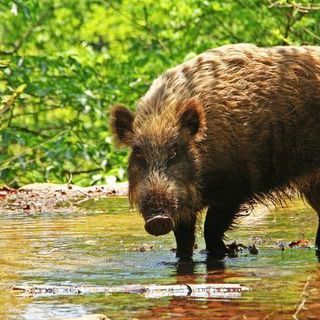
(87, 317)
(302, 243)
(143, 248)
(281, 245)
(235, 248)
(253, 249)
(223, 290)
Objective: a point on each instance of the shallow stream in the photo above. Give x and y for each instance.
(101, 246)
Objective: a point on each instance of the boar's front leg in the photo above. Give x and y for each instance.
(218, 220)
(312, 195)
(185, 237)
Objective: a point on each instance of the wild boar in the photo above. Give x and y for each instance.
(229, 128)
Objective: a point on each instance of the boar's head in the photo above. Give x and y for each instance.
(164, 165)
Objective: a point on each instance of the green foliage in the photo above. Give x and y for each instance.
(63, 63)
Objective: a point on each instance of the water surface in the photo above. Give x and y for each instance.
(97, 247)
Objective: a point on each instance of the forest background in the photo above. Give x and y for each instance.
(64, 63)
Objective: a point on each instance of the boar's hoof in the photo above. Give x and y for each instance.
(159, 225)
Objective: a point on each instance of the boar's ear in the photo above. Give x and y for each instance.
(192, 118)
(121, 125)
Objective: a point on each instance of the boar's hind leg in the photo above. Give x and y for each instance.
(312, 195)
(218, 220)
(185, 237)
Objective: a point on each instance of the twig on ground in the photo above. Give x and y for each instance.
(268, 315)
(85, 193)
(304, 297)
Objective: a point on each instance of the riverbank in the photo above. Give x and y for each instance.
(47, 197)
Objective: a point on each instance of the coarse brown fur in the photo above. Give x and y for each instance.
(233, 126)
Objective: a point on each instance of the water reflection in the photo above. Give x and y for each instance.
(188, 266)
(318, 254)
(185, 267)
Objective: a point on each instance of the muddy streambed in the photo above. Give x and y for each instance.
(109, 246)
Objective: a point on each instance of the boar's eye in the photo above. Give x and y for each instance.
(138, 152)
(172, 154)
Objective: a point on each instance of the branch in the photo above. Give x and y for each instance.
(27, 130)
(297, 6)
(18, 44)
(6, 163)
(149, 29)
(113, 7)
(81, 171)
(227, 30)
(294, 14)
(312, 34)
(145, 26)
(289, 24)
(70, 174)
(8, 102)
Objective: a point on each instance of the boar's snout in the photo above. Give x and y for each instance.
(158, 205)
(159, 225)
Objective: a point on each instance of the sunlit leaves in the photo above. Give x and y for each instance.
(63, 63)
